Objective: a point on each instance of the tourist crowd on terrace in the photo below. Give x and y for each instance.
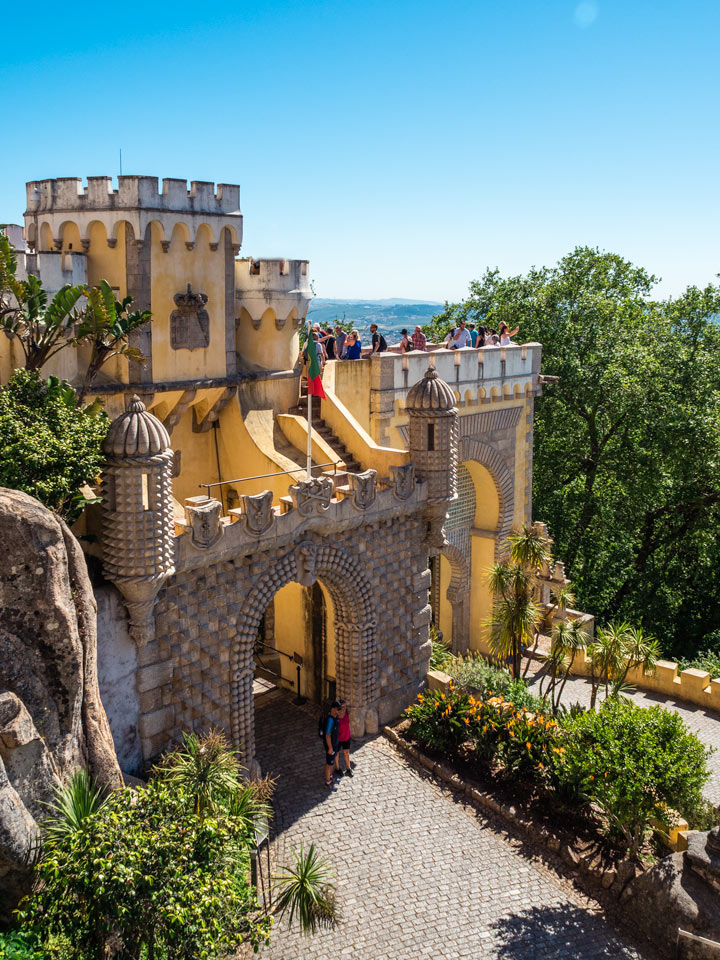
(338, 344)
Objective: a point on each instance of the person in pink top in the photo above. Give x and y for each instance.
(344, 737)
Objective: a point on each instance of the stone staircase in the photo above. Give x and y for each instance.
(319, 425)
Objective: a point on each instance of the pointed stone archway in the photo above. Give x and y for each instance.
(355, 634)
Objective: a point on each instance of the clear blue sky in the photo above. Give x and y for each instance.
(401, 146)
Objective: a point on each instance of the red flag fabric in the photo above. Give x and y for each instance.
(314, 382)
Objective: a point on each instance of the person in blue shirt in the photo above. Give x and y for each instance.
(353, 347)
(473, 334)
(332, 744)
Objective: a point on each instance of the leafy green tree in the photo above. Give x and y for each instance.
(49, 446)
(635, 764)
(627, 442)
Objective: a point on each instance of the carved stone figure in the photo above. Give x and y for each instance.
(312, 496)
(305, 563)
(190, 323)
(404, 477)
(257, 515)
(364, 488)
(203, 516)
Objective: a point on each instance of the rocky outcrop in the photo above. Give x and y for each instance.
(682, 892)
(51, 719)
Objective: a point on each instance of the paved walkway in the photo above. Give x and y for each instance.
(705, 723)
(419, 873)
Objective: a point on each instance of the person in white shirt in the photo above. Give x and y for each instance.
(462, 337)
(505, 333)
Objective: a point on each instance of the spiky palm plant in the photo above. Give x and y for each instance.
(73, 803)
(569, 639)
(616, 649)
(307, 890)
(515, 614)
(206, 768)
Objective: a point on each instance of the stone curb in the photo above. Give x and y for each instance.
(605, 878)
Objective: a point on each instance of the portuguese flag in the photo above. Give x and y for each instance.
(314, 381)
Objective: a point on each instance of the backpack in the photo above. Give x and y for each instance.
(322, 722)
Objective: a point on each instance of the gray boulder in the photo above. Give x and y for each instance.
(52, 722)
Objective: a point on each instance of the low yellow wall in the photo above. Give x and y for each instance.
(694, 686)
(357, 440)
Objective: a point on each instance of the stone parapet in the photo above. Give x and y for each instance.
(259, 526)
(68, 194)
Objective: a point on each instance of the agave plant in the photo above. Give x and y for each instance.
(307, 890)
(73, 803)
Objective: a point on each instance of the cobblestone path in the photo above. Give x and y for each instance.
(419, 874)
(705, 723)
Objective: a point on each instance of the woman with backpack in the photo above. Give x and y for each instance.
(344, 736)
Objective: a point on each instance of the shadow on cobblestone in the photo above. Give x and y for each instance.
(552, 933)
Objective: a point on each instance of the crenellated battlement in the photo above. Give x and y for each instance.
(66, 194)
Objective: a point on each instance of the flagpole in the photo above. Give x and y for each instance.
(311, 346)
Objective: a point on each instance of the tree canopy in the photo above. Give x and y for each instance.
(627, 443)
(49, 445)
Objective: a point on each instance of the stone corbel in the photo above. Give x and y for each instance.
(189, 244)
(403, 476)
(214, 246)
(165, 244)
(140, 596)
(364, 488)
(85, 245)
(312, 497)
(111, 242)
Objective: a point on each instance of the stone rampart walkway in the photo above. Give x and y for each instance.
(419, 874)
(705, 723)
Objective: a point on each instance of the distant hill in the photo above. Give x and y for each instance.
(390, 315)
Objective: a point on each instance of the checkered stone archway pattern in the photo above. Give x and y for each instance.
(355, 635)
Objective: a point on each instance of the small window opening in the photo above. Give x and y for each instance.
(145, 492)
(431, 436)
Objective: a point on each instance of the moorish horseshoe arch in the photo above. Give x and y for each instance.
(355, 634)
(458, 593)
(488, 457)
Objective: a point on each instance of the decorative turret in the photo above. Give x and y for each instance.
(138, 544)
(433, 442)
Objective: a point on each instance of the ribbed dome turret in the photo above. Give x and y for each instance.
(430, 393)
(136, 433)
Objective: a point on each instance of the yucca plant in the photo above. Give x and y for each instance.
(72, 804)
(516, 615)
(307, 891)
(206, 768)
(616, 649)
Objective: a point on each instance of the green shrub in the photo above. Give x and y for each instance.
(49, 446)
(705, 660)
(162, 871)
(486, 679)
(440, 720)
(634, 763)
